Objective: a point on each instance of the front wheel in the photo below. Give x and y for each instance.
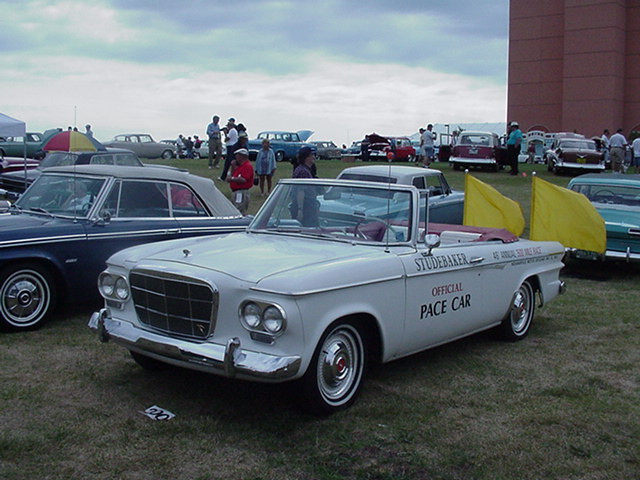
(279, 156)
(516, 324)
(334, 377)
(27, 296)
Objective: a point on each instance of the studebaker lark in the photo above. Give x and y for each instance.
(312, 293)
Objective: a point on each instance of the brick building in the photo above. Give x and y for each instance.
(574, 65)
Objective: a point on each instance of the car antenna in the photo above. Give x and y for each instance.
(386, 237)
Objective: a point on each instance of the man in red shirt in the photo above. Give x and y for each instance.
(241, 180)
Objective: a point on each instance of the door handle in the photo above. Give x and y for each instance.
(476, 260)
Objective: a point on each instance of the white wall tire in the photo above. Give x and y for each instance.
(334, 378)
(517, 322)
(27, 296)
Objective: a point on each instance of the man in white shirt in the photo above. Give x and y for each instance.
(635, 146)
(427, 140)
(618, 144)
(231, 138)
(604, 140)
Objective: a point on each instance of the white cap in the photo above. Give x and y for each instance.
(242, 151)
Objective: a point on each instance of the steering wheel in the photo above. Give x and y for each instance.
(358, 233)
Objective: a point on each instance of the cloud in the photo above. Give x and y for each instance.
(341, 68)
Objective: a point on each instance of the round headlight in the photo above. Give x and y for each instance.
(106, 284)
(252, 315)
(273, 320)
(122, 289)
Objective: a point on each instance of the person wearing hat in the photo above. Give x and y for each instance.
(231, 138)
(241, 180)
(304, 206)
(513, 146)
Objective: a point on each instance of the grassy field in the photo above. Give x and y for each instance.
(562, 404)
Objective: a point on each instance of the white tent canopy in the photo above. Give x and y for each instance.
(10, 127)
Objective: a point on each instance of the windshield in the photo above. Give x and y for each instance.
(578, 144)
(342, 212)
(58, 159)
(611, 195)
(61, 195)
(476, 140)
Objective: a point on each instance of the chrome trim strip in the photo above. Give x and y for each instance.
(329, 289)
(36, 241)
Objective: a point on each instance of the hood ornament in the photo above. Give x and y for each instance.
(186, 252)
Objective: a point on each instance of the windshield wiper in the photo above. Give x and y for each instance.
(40, 210)
(292, 229)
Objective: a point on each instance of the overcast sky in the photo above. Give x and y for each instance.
(340, 68)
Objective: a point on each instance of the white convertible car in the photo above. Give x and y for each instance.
(312, 291)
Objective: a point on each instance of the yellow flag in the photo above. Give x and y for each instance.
(484, 206)
(565, 216)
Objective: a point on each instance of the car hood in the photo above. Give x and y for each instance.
(24, 227)
(275, 262)
(304, 134)
(622, 217)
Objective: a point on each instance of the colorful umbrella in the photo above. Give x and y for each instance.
(72, 141)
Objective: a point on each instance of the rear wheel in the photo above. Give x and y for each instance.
(334, 377)
(516, 324)
(27, 296)
(167, 154)
(279, 156)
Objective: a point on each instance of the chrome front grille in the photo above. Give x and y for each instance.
(174, 304)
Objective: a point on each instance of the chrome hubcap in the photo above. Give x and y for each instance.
(339, 365)
(24, 299)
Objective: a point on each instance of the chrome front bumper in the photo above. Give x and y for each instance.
(229, 360)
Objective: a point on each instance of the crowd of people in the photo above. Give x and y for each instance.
(615, 148)
(241, 175)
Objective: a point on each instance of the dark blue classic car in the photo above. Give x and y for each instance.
(55, 239)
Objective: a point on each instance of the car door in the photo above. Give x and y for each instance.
(445, 293)
(194, 219)
(147, 147)
(134, 212)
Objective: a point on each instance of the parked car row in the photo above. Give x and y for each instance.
(315, 308)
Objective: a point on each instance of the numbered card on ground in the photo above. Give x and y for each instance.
(157, 413)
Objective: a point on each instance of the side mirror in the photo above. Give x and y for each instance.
(104, 218)
(5, 205)
(432, 241)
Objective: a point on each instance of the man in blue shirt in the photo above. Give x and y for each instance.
(513, 146)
